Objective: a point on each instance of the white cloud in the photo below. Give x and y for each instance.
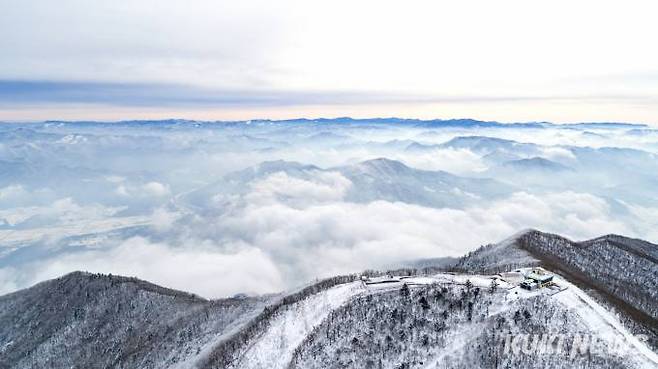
(12, 193)
(163, 219)
(576, 215)
(122, 190)
(16, 195)
(321, 187)
(149, 189)
(459, 161)
(322, 239)
(198, 267)
(156, 189)
(290, 230)
(115, 179)
(558, 154)
(647, 227)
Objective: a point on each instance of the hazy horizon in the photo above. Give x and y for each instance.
(329, 118)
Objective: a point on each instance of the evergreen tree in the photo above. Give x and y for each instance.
(469, 285)
(404, 291)
(493, 286)
(423, 303)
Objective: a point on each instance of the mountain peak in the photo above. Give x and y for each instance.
(384, 166)
(536, 163)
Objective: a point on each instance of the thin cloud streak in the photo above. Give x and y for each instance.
(38, 93)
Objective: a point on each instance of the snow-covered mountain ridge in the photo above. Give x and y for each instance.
(465, 317)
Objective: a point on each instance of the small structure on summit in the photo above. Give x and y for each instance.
(529, 285)
(382, 280)
(537, 278)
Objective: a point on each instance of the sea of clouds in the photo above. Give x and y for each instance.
(262, 206)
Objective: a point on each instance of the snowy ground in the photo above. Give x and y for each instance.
(274, 348)
(482, 281)
(600, 320)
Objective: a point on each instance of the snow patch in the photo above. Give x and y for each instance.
(275, 346)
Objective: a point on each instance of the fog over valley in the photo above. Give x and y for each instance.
(221, 208)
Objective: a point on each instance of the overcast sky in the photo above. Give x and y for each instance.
(562, 61)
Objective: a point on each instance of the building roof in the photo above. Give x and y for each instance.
(540, 277)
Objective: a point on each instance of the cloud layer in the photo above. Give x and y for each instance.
(263, 206)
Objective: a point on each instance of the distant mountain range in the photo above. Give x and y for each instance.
(469, 123)
(449, 316)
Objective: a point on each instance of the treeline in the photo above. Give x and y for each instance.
(90, 321)
(621, 268)
(227, 353)
(495, 258)
(393, 329)
(442, 326)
